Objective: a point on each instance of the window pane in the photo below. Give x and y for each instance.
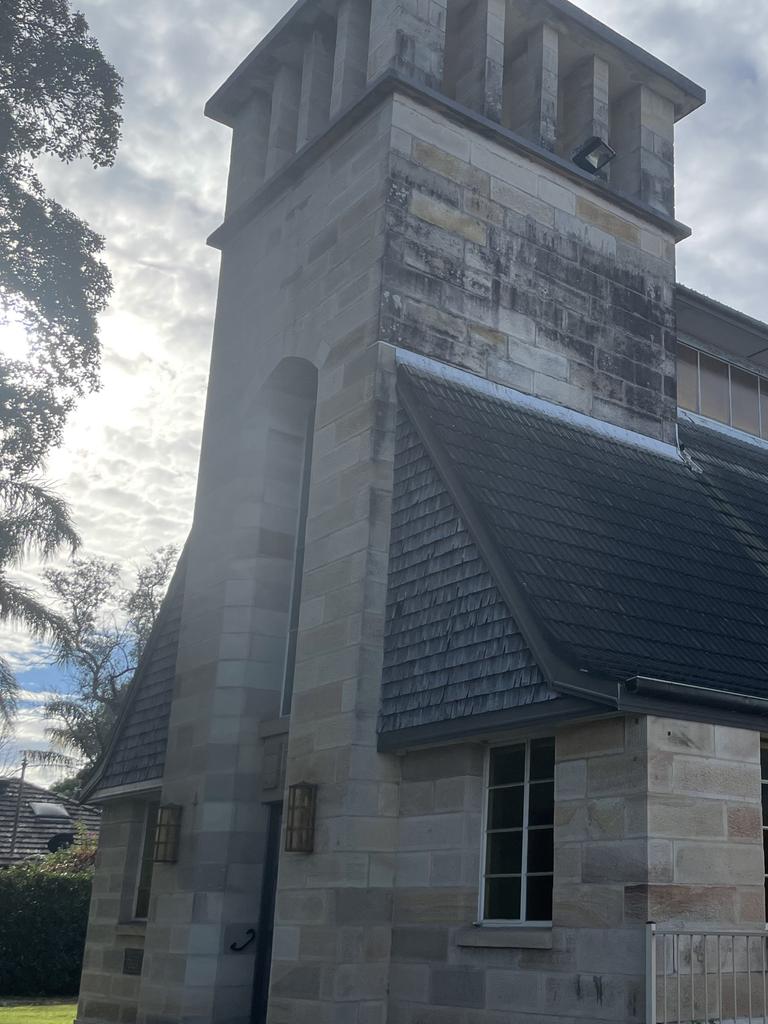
(744, 401)
(687, 378)
(507, 765)
(764, 405)
(765, 804)
(543, 759)
(538, 903)
(764, 761)
(715, 401)
(505, 853)
(540, 849)
(502, 899)
(765, 849)
(541, 805)
(506, 808)
(147, 863)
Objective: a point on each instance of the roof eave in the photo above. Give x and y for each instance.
(251, 74)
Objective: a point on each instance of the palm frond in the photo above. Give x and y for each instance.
(9, 693)
(49, 758)
(33, 519)
(19, 605)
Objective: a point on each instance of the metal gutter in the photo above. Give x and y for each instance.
(646, 686)
(558, 711)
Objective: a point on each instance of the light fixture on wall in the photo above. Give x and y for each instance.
(300, 823)
(593, 155)
(167, 834)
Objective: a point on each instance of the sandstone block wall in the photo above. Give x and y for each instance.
(300, 282)
(652, 817)
(510, 271)
(107, 994)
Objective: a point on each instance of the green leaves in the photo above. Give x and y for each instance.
(59, 96)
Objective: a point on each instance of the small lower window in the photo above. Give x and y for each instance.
(519, 840)
(147, 862)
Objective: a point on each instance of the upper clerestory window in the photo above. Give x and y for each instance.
(722, 391)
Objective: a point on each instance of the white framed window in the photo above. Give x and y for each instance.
(518, 850)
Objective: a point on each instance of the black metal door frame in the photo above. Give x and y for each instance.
(266, 926)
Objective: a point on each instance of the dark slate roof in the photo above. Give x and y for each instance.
(617, 560)
(136, 752)
(35, 831)
(451, 646)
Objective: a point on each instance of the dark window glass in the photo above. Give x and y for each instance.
(543, 759)
(541, 809)
(506, 808)
(687, 378)
(538, 903)
(540, 849)
(298, 568)
(505, 853)
(764, 406)
(507, 765)
(519, 843)
(745, 402)
(502, 899)
(715, 398)
(765, 805)
(765, 849)
(147, 862)
(764, 761)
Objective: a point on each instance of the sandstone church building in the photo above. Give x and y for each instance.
(462, 675)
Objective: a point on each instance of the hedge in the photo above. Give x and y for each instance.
(43, 918)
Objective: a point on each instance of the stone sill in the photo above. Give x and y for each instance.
(131, 928)
(489, 937)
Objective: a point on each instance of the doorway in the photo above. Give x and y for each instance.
(266, 926)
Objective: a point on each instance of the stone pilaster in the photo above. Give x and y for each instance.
(585, 105)
(315, 98)
(531, 88)
(350, 60)
(408, 35)
(644, 140)
(284, 120)
(474, 55)
(249, 150)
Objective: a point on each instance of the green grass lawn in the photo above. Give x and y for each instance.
(48, 1013)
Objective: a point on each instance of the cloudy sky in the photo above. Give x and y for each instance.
(129, 461)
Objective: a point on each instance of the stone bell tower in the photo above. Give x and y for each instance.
(401, 177)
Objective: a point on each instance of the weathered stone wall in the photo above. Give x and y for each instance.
(301, 281)
(106, 993)
(509, 270)
(653, 817)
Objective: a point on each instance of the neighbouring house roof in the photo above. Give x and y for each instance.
(37, 828)
(619, 560)
(136, 753)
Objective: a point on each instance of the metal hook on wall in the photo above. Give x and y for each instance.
(239, 948)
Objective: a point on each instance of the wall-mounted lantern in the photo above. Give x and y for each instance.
(167, 834)
(300, 823)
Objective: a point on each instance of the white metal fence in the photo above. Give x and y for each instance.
(706, 977)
